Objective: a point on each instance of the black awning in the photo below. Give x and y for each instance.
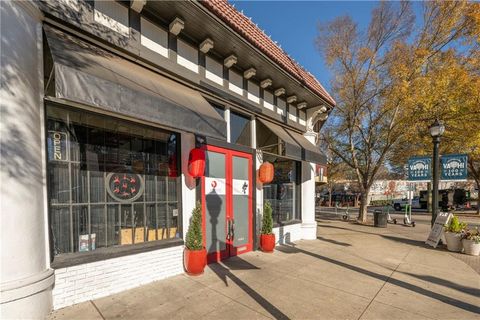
(310, 152)
(290, 148)
(295, 145)
(90, 75)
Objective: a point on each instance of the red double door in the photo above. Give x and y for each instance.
(227, 203)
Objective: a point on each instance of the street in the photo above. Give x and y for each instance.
(420, 216)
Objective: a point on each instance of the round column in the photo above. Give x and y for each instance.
(309, 225)
(26, 279)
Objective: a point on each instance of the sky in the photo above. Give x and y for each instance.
(293, 24)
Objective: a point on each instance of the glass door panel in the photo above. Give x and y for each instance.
(241, 195)
(215, 202)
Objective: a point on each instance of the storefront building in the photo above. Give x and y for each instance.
(102, 103)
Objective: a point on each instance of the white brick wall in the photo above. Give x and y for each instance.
(288, 233)
(102, 278)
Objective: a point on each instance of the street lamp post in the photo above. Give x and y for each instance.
(436, 131)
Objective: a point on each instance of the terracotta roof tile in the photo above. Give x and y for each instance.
(252, 33)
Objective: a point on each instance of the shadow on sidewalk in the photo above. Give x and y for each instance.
(344, 244)
(449, 284)
(347, 229)
(440, 297)
(223, 272)
(416, 243)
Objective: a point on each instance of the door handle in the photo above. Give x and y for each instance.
(229, 227)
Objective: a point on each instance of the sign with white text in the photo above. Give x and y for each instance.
(436, 233)
(57, 146)
(454, 166)
(419, 169)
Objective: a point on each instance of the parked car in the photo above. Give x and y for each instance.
(399, 204)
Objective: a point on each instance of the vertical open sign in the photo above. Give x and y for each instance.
(57, 146)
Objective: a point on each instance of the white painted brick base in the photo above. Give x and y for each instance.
(287, 234)
(102, 278)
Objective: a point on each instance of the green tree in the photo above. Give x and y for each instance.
(194, 239)
(376, 74)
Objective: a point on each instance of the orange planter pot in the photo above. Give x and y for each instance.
(194, 261)
(267, 242)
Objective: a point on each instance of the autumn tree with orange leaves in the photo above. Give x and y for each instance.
(390, 88)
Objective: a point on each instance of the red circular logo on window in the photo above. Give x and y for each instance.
(124, 186)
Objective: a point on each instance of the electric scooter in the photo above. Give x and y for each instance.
(407, 219)
(389, 218)
(345, 215)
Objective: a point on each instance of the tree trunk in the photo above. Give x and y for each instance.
(330, 190)
(362, 216)
(478, 196)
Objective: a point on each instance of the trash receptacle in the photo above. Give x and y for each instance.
(379, 219)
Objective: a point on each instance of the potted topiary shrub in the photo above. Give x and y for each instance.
(471, 242)
(453, 234)
(267, 237)
(195, 255)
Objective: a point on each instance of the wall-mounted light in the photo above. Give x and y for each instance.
(206, 45)
(230, 61)
(302, 105)
(291, 99)
(176, 26)
(279, 92)
(266, 83)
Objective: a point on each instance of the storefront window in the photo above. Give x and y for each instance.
(240, 129)
(284, 191)
(111, 182)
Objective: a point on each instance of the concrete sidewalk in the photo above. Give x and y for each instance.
(349, 272)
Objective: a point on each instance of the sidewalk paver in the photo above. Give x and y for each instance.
(350, 272)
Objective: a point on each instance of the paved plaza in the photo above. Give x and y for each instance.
(350, 272)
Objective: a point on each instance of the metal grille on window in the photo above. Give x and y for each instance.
(111, 182)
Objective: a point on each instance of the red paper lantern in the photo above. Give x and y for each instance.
(265, 173)
(196, 162)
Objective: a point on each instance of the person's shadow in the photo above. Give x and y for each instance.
(213, 226)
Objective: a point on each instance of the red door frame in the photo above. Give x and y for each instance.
(230, 249)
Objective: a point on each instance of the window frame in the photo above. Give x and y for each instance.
(298, 193)
(249, 123)
(103, 253)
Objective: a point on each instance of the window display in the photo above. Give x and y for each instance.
(283, 192)
(111, 182)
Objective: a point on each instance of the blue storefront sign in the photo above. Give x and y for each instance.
(419, 169)
(453, 167)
